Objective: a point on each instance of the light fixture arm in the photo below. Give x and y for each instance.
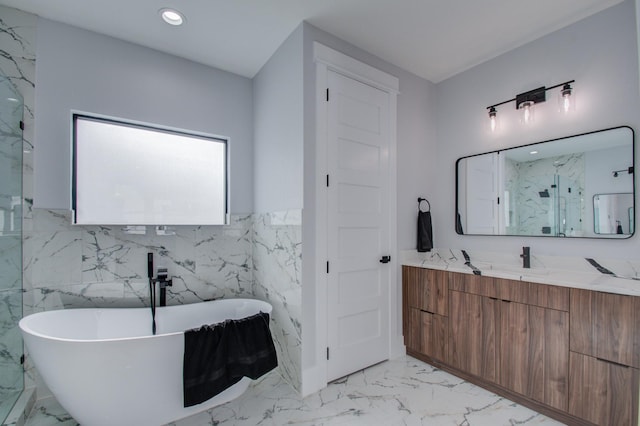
(535, 95)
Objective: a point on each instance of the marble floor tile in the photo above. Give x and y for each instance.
(404, 392)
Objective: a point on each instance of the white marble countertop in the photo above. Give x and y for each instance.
(623, 276)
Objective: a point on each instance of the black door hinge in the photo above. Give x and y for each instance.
(498, 200)
(327, 94)
(327, 266)
(22, 359)
(327, 353)
(327, 181)
(21, 125)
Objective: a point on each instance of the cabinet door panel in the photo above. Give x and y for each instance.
(412, 334)
(581, 309)
(472, 331)
(556, 357)
(515, 347)
(534, 352)
(601, 392)
(434, 339)
(616, 328)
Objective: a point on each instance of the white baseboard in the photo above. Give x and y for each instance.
(313, 379)
(397, 348)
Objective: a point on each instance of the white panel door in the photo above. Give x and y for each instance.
(358, 225)
(482, 194)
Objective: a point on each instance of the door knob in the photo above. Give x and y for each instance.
(385, 259)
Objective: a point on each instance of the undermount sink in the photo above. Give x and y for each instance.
(511, 269)
(520, 270)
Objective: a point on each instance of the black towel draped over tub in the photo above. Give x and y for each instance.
(217, 356)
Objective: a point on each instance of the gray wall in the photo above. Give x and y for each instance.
(600, 53)
(278, 169)
(278, 129)
(85, 71)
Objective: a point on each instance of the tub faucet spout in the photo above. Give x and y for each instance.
(164, 281)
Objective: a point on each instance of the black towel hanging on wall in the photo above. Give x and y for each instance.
(425, 231)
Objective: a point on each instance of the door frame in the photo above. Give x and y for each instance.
(327, 59)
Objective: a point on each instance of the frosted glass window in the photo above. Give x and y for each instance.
(130, 174)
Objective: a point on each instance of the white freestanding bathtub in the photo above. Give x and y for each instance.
(106, 368)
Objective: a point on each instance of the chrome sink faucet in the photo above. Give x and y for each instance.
(526, 257)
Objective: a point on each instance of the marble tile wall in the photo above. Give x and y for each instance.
(534, 212)
(277, 268)
(103, 266)
(68, 266)
(17, 64)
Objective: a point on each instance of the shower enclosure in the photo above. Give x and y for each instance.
(11, 372)
(566, 208)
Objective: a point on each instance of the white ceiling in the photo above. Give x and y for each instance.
(434, 39)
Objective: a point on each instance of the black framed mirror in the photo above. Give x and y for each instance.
(548, 188)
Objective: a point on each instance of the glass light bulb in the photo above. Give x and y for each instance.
(527, 113)
(567, 99)
(566, 103)
(493, 122)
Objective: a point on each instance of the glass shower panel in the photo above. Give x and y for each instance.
(11, 372)
(568, 206)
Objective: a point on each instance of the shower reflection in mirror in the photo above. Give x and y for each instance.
(546, 188)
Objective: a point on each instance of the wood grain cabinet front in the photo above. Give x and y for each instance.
(572, 354)
(602, 392)
(534, 352)
(606, 326)
(425, 297)
(472, 337)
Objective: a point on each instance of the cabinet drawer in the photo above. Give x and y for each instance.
(474, 284)
(606, 326)
(602, 392)
(549, 296)
(426, 289)
(435, 336)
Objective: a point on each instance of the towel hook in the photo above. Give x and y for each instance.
(420, 200)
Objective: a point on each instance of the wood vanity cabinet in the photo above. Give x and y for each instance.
(502, 339)
(571, 354)
(425, 321)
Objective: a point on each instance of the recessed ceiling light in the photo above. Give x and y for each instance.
(12, 100)
(172, 16)
(533, 152)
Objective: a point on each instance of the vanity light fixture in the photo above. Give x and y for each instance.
(525, 102)
(172, 16)
(492, 118)
(566, 98)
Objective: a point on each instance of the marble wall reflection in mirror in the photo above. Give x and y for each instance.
(546, 188)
